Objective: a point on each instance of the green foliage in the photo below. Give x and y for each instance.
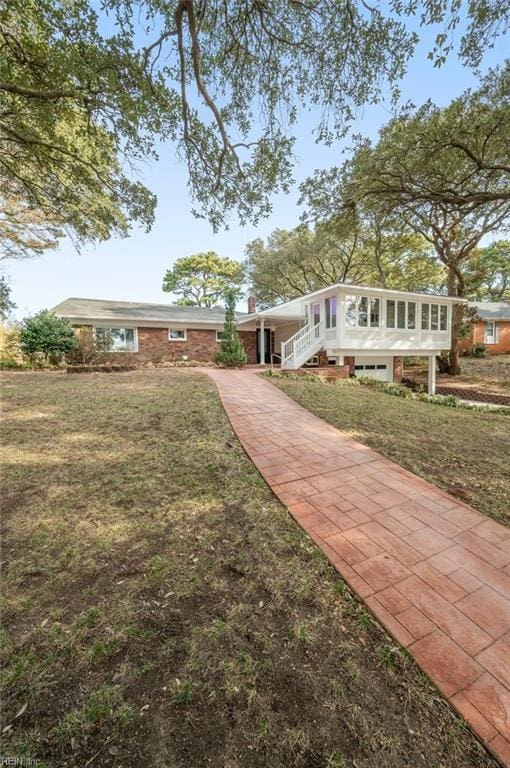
(441, 171)
(202, 279)
(10, 350)
(344, 248)
(86, 87)
(48, 334)
(487, 273)
(231, 353)
(6, 303)
(479, 350)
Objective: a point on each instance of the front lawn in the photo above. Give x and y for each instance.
(163, 609)
(490, 373)
(462, 451)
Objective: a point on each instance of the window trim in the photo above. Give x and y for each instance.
(119, 328)
(486, 335)
(218, 340)
(371, 302)
(181, 330)
(331, 319)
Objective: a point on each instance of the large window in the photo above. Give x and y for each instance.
(331, 312)
(401, 314)
(434, 317)
(115, 339)
(362, 312)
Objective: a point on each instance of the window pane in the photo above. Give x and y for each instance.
(350, 311)
(331, 312)
(374, 313)
(176, 333)
(434, 317)
(363, 312)
(369, 367)
(129, 339)
(390, 314)
(425, 309)
(401, 314)
(443, 317)
(115, 339)
(316, 312)
(411, 315)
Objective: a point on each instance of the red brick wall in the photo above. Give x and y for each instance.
(154, 346)
(350, 362)
(477, 336)
(397, 368)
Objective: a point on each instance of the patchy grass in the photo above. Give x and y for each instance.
(454, 448)
(162, 608)
(491, 373)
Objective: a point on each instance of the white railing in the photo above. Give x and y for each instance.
(301, 346)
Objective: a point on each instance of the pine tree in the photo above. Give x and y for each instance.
(231, 353)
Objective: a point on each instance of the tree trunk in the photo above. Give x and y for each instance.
(457, 312)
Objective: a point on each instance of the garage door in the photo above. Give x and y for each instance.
(375, 368)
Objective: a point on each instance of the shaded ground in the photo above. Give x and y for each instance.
(489, 374)
(461, 451)
(162, 608)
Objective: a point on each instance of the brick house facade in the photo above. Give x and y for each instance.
(154, 345)
(490, 327)
(477, 335)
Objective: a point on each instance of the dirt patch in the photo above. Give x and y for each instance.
(162, 608)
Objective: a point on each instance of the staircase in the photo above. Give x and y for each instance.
(300, 347)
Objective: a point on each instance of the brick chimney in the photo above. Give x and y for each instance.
(252, 307)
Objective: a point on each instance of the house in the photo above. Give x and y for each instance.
(490, 327)
(362, 330)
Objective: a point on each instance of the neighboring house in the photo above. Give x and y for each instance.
(490, 327)
(363, 330)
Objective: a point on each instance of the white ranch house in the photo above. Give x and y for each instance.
(371, 325)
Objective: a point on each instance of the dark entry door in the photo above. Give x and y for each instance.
(267, 345)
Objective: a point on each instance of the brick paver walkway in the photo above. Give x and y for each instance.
(435, 572)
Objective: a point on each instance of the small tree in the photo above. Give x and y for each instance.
(202, 279)
(231, 353)
(48, 334)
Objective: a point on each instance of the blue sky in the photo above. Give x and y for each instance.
(132, 269)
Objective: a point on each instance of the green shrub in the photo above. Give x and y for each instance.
(47, 335)
(479, 350)
(231, 353)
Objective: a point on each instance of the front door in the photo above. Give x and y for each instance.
(267, 345)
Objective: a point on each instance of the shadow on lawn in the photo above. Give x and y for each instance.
(162, 607)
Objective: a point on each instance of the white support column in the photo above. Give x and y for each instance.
(262, 343)
(432, 375)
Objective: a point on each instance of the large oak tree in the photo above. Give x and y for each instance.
(87, 90)
(443, 172)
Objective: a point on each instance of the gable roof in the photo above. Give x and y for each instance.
(137, 312)
(491, 310)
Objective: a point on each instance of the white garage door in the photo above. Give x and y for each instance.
(376, 368)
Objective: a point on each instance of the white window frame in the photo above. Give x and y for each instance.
(120, 328)
(218, 335)
(179, 330)
(486, 335)
(371, 301)
(440, 307)
(331, 319)
(405, 327)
